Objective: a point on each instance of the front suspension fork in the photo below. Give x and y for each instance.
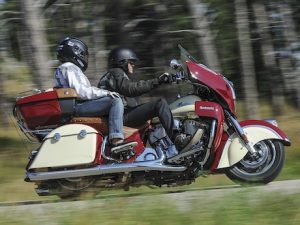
(242, 135)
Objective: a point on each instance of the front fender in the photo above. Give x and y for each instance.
(256, 130)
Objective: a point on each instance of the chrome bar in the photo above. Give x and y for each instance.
(212, 134)
(153, 165)
(240, 131)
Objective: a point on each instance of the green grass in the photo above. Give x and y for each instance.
(245, 207)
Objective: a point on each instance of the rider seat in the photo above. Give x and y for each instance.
(100, 124)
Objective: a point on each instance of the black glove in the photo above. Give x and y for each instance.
(165, 78)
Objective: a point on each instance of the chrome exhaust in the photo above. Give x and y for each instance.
(151, 165)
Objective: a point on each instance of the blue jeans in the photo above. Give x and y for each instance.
(113, 107)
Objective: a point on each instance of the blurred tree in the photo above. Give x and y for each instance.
(221, 15)
(205, 38)
(9, 15)
(247, 62)
(36, 40)
(290, 74)
(153, 28)
(3, 100)
(98, 40)
(269, 57)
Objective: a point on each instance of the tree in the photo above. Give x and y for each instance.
(3, 108)
(205, 38)
(37, 42)
(247, 62)
(269, 57)
(290, 74)
(98, 40)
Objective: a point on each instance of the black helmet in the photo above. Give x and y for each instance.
(73, 50)
(119, 57)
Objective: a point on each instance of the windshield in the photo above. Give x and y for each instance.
(184, 57)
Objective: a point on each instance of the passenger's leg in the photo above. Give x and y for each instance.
(102, 107)
(115, 120)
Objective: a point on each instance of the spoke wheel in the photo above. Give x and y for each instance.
(262, 167)
(72, 188)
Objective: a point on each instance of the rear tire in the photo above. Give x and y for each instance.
(260, 169)
(74, 188)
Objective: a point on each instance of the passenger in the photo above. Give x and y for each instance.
(73, 53)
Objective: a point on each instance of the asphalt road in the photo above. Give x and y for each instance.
(181, 198)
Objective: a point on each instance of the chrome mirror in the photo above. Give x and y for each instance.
(174, 64)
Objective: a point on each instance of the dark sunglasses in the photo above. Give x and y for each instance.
(131, 63)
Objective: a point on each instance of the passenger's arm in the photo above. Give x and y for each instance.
(83, 87)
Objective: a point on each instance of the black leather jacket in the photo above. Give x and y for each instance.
(118, 81)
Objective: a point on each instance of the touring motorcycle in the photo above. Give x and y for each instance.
(73, 155)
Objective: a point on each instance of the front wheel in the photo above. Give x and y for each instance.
(263, 167)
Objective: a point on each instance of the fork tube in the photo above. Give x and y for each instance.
(241, 133)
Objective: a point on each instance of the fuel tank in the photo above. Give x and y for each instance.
(184, 104)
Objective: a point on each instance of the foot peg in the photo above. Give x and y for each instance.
(123, 147)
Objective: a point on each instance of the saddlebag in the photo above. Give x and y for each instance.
(68, 145)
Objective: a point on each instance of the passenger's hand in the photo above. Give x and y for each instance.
(114, 94)
(165, 78)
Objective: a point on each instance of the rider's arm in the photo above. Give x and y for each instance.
(78, 81)
(131, 88)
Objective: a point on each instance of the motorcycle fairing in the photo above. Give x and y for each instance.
(215, 111)
(213, 80)
(235, 150)
(68, 145)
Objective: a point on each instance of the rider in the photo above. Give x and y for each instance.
(73, 53)
(121, 62)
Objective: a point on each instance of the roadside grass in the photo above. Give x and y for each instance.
(240, 208)
(14, 150)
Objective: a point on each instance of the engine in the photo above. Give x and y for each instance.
(194, 134)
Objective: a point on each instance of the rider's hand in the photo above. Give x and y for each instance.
(114, 94)
(165, 78)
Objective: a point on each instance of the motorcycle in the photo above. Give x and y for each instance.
(73, 155)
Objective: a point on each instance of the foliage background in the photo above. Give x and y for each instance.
(152, 29)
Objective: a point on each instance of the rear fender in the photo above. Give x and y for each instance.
(256, 130)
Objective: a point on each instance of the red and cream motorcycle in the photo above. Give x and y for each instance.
(73, 155)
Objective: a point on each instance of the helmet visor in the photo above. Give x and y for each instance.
(81, 53)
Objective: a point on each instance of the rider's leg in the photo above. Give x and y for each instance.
(139, 115)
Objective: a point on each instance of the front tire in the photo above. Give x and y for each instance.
(262, 168)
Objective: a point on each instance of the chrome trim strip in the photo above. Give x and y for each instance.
(211, 138)
(212, 134)
(107, 169)
(272, 121)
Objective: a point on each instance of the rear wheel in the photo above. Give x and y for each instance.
(73, 188)
(263, 167)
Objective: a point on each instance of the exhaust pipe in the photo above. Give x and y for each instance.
(153, 165)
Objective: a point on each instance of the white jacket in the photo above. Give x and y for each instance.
(71, 76)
